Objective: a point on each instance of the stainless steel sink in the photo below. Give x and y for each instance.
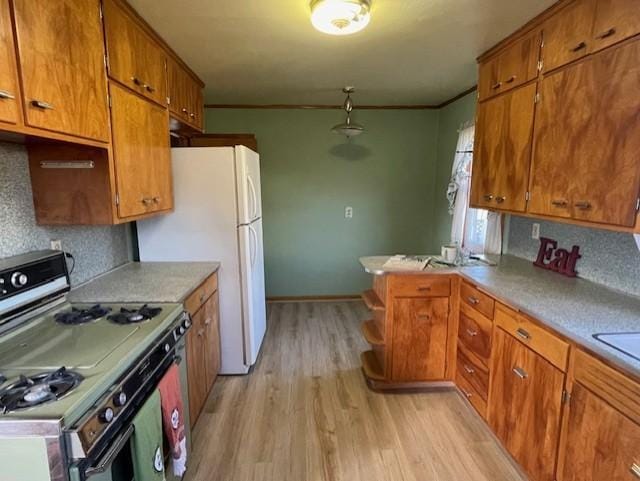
(625, 342)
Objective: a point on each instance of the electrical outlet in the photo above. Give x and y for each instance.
(56, 245)
(348, 212)
(535, 231)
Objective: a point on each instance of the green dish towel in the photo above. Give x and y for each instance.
(146, 442)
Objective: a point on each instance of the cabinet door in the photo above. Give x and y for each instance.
(142, 154)
(61, 53)
(615, 21)
(9, 93)
(135, 60)
(600, 443)
(503, 150)
(212, 340)
(178, 90)
(567, 34)
(587, 138)
(196, 362)
(419, 338)
(488, 78)
(524, 405)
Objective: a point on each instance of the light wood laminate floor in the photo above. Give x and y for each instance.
(306, 414)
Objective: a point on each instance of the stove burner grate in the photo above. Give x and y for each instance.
(39, 389)
(132, 316)
(82, 316)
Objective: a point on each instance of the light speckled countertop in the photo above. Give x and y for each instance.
(145, 282)
(572, 306)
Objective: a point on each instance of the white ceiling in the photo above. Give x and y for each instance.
(414, 52)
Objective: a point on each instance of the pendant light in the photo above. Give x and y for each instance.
(348, 128)
(340, 17)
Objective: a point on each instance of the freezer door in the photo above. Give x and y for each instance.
(248, 185)
(253, 294)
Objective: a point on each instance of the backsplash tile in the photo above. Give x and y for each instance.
(96, 249)
(609, 258)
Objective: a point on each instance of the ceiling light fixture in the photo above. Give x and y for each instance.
(348, 128)
(340, 17)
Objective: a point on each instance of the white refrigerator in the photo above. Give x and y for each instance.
(218, 217)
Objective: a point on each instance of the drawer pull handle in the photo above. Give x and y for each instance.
(523, 334)
(521, 373)
(185, 111)
(424, 317)
(147, 201)
(500, 199)
(559, 203)
(472, 333)
(193, 116)
(579, 47)
(149, 88)
(584, 205)
(466, 393)
(468, 369)
(606, 34)
(635, 470)
(473, 300)
(496, 86)
(424, 288)
(488, 197)
(42, 105)
(202, 297)
(200, 332)
(511, 79)
(207, 322)
(136, 81)
(6, 95)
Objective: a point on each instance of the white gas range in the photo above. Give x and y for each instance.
(73, 376)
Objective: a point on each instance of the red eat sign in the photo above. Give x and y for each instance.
(557, 260)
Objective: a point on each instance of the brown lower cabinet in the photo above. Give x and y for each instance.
(203, 344)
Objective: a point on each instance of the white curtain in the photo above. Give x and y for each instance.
(458, 189)
(475, 230)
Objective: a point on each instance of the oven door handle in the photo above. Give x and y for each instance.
(108, 459)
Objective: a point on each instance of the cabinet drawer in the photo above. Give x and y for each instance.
(474, 372)
(478, 300)
(475, 332)
(471, 394)
(420, 286)
(201, 294)
(538, 339)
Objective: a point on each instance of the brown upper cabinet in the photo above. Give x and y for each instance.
(587, 138)
(503, 150)
(511, 67)
(61, 59)
(567, 34)
(615, 21)
(134, 59)
(142, 154)
(185, 96)
(9, 93)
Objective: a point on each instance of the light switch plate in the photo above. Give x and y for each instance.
(348, 212)
(535, 231)
(56, 245)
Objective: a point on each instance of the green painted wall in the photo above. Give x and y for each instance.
(451, 118)
(309, 175)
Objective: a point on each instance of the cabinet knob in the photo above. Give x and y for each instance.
(4, 95)
(559, 203)
(511, 79)
(469, 370)
(193, 116)
(578, 47)
(488, 197)
(583, 205)
(523, 334)
(207, 322)
(606, 34)
(147, 201)
(184, 111)
(496, 86)
(149, 88)
(466, 393)
(473, 300)
(157, 199)
(472, 333)
(521, 373)
(41, 104)
(500, 199)
(136, 81)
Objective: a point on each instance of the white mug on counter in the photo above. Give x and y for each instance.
(449, 253)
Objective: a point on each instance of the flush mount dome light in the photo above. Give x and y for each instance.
(340, 17)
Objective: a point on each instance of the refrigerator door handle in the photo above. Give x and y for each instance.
(254, 197)
(253, 252)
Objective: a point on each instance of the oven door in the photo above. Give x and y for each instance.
(114, 465)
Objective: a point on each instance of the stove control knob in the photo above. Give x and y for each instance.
(167, 347)
(106, 416)
(120, 399)
(187, 323)
(18, 279)
(182, 330)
